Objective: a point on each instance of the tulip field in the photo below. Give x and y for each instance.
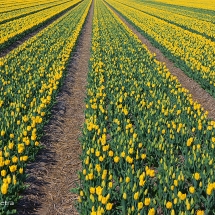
(147, 146)
(16, 28)
(29, 79)
(184, 40)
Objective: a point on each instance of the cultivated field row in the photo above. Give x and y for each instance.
(29, 79)
(147, 145)
(17, 28)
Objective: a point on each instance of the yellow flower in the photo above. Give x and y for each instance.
(2, 133)
(192, 189)
(15, 159)
(92, 190)
(124, 196)
(123, 154)
(13, 168)
(127, 179)
(21, 170)
(151, 211)
(84, 171)
(8, 179)
(209, 191)
(109, 206)
(189, 141)
(3, 173)
(97, 153)
(169, 205)
(172, 212)
(10, 145)
(25, 158)
(11, 136)
(136, 195)
(116, 159)
(199, 212)
(99, 190)
(104, 200)
(175, 201)
(143, 156)
(14, 179)
(81, 193)
(25, 133)
(140, 205)
(147, 201)
(110, 153)
(36, 143)
(142, 182)
(92, 198)
(90, 175)
(181, 195)
(4, 188)
(134, 135)
(110, 184)
(152, 173)
(197, 176)
(140, 145)
(101, 158)
(21, 148)
(176, 183)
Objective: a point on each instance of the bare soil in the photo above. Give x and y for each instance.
(198, 93)
(55, 170)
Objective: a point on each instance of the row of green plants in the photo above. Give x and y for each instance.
(147, 147)
(20, 12)
(195, 25)
(30, 77)
(15, 29)
(11, 5)
(191, 52)
(199, 13)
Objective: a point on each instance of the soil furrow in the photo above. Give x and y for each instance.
(20, 39)
(55, 170)
(198, 93)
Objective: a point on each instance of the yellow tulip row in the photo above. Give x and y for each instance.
(183, 10)
(9, 15)
(13, 29)
(148, 148)
(29, 80)
(16, 5)
(202, 4)
(192, 52)
(194, 24)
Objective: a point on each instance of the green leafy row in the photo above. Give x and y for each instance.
(191, 52)
(21, 12)
(29, 80)
(16, 29)
(148, 148)
(195, 25)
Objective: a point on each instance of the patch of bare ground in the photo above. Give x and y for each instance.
(19, 40)
(55, 170)
(198, 93)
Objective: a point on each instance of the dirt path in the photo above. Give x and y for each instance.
(54, 172)
(33, 32)
(198, 94)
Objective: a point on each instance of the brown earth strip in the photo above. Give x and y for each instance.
(32, 32)
(198, 93)
(54, 172)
